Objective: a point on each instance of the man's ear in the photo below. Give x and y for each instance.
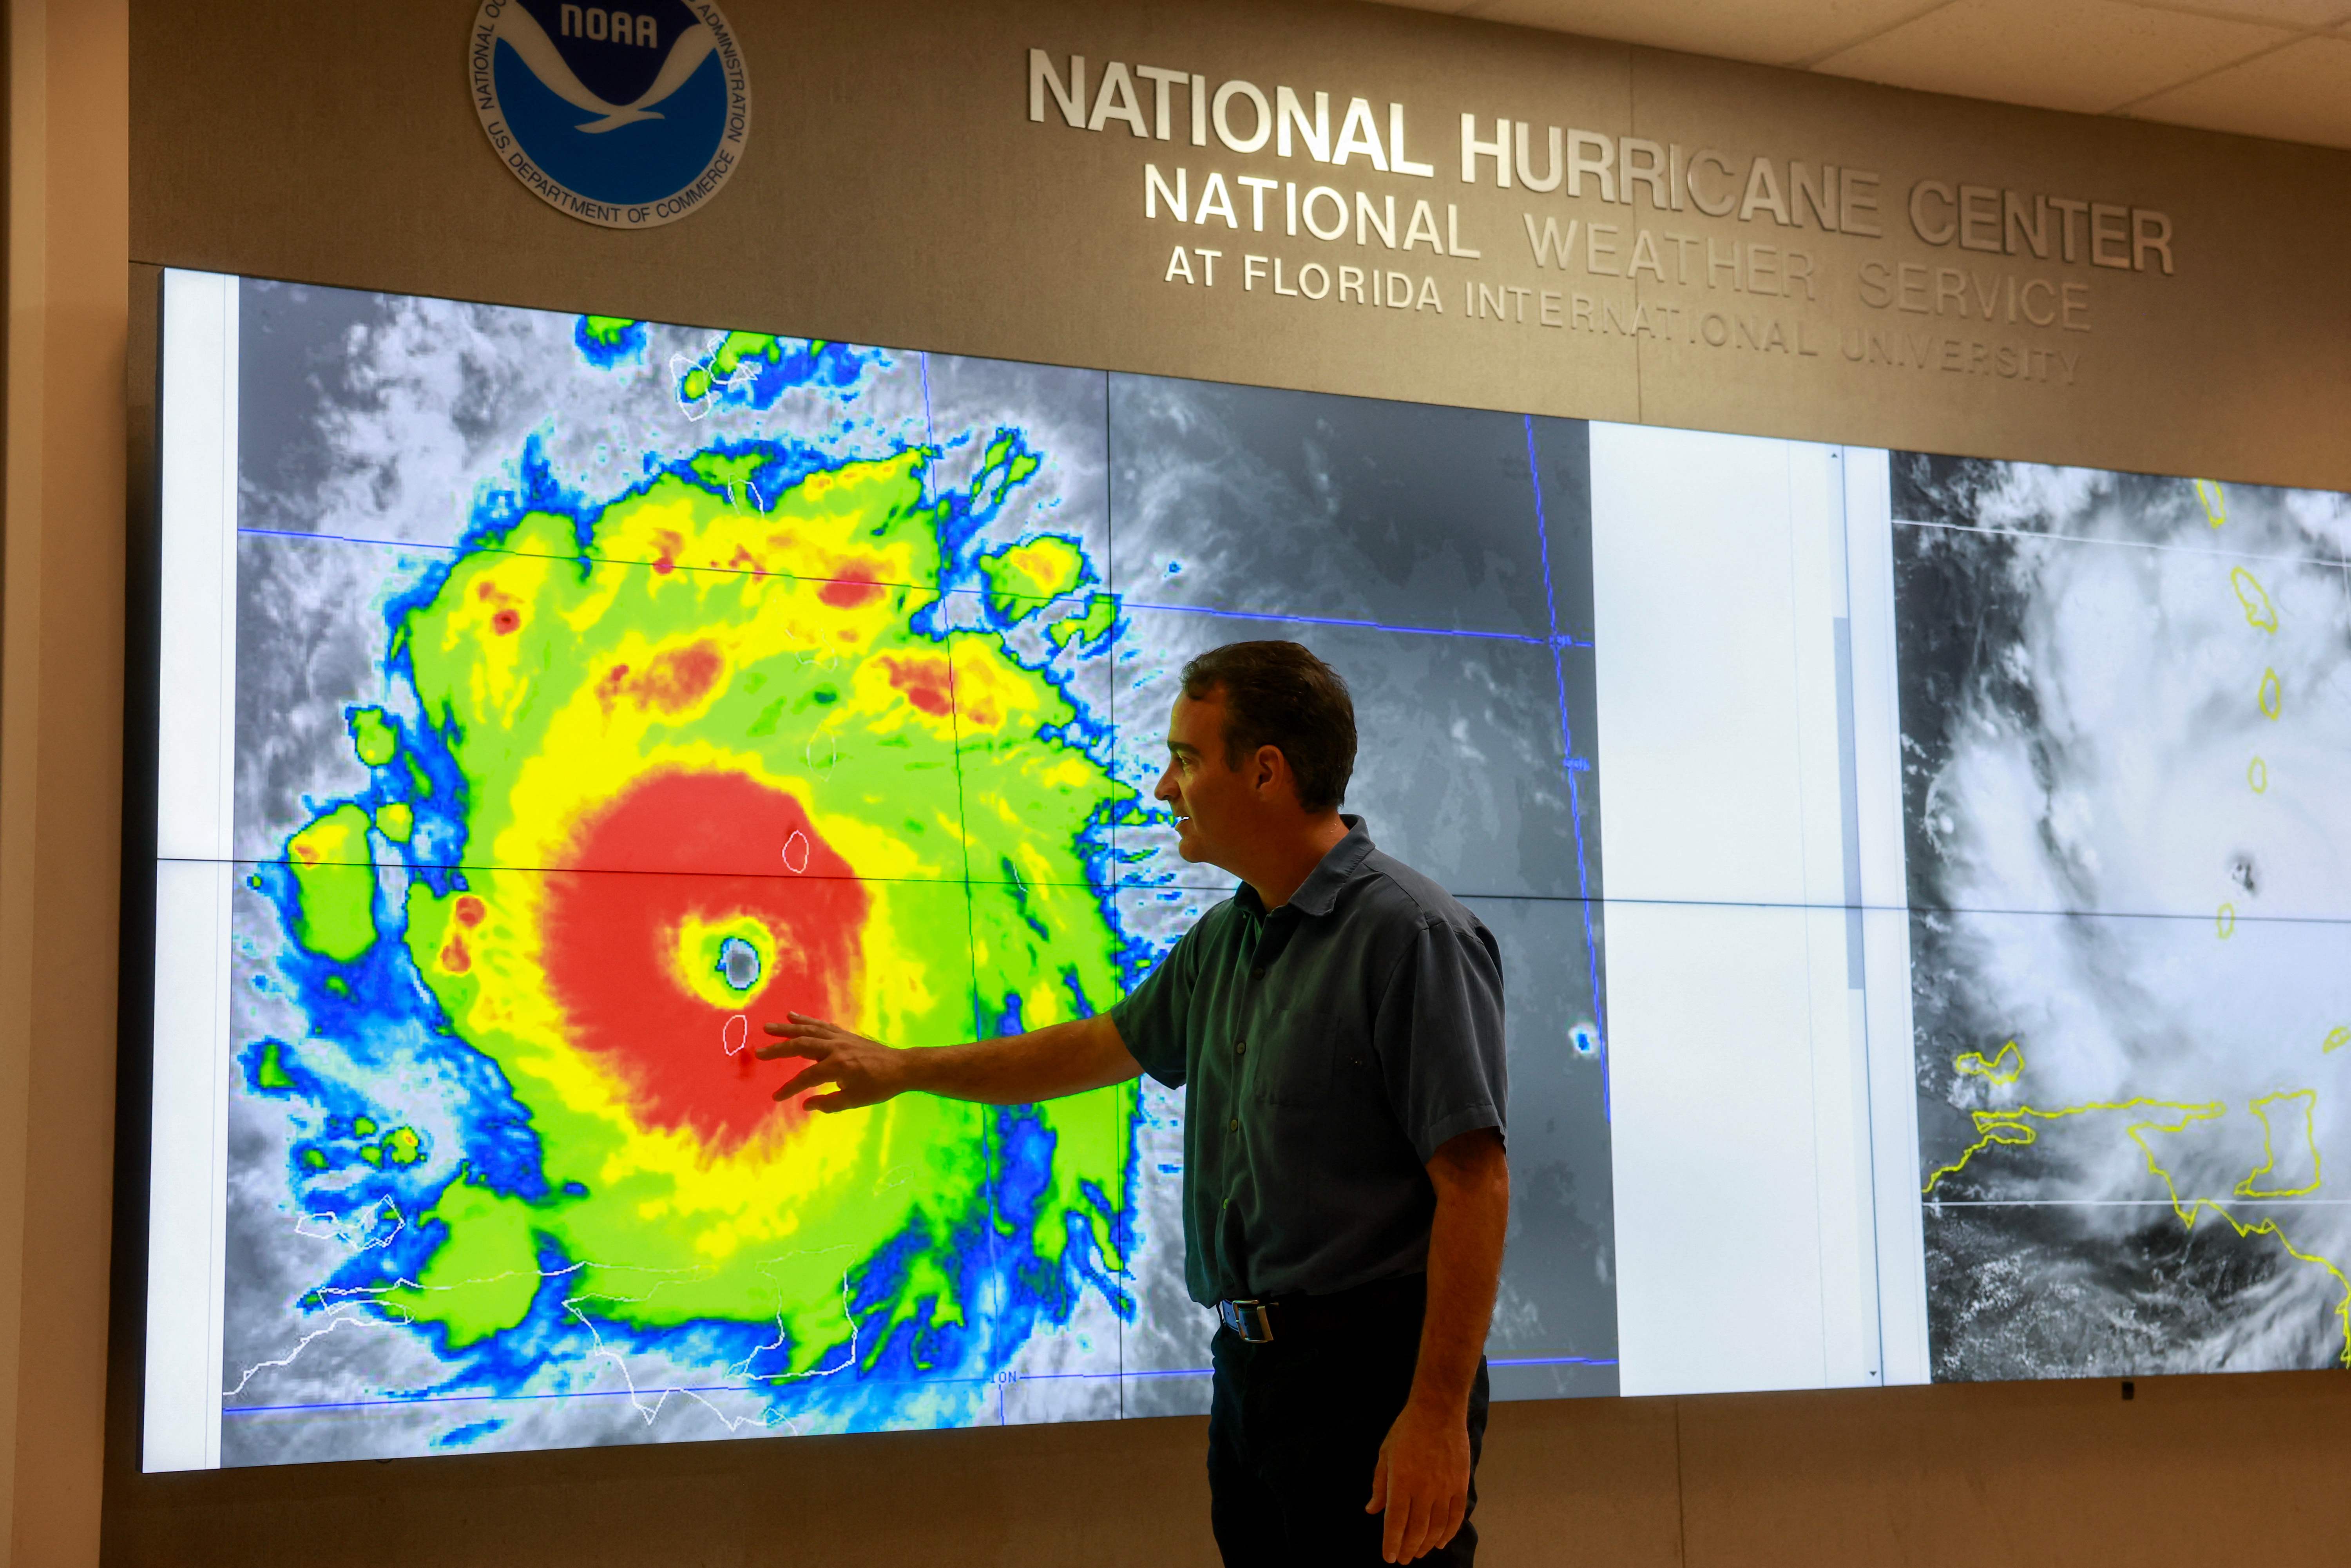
(1267, 767)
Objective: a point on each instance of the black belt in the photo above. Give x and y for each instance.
(1259, 1321)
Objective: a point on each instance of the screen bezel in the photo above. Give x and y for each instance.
(981, 1457)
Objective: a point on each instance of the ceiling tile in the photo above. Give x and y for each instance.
(2086, 55)
(2302, 93)
(1773, 31)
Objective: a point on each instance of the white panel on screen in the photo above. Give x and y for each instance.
(1694, 621)
(1723, 659)
(1891, 1081)
(196, 702)
(1724, 1275)
(186, 1216)
(196, 708)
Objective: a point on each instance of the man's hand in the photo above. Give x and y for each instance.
(862, 1071)
(1043, 1064)
(1422, 1481)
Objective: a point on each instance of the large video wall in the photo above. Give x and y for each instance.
(547, 701)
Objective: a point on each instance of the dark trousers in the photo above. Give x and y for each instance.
(1294, 1433)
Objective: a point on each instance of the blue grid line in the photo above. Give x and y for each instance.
(1567, 755)
(646, 1392)
(991, 1154)
(1124, 603)
(1001, 1383)
(930, 429)
(1127, 1114)
(1555, 639)
(346, 538)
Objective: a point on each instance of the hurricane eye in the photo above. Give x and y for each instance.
(738, 961)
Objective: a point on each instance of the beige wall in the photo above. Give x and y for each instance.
(896, 192)
(60, 760)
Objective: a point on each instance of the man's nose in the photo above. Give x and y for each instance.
(1165, 788)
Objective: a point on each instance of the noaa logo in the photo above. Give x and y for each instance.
(629, 116)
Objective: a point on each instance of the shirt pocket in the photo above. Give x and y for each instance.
(1297, 1060)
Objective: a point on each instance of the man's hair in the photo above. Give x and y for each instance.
(1280, 695)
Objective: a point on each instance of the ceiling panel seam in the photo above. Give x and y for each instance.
(2263, 53)
(2209, 14)
(1811, 61)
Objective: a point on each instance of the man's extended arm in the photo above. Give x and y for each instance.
(1043, 1064)
(1422, 1480)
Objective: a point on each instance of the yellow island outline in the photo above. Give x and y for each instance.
(2014, 1127)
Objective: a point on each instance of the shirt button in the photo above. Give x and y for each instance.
(1258, 973)
(1234, 1126)
(1240, 1048)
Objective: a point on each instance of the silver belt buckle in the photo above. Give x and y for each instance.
(1248, 1320)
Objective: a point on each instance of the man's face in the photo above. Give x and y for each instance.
(1213, 801)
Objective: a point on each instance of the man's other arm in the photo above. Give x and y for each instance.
(1422, 1481)
(1020, 1069)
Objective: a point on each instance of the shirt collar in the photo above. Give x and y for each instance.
(1319, 891)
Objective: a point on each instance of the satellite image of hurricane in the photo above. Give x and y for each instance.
(2126, 709)
(605, 689)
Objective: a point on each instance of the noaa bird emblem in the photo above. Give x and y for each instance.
(627, 116)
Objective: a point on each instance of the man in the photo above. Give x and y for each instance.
(1337, 1028)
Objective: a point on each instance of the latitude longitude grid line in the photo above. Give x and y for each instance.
(1568, 761)
(990, 1148)
(2231, 1200)
(2214, 553)
(1075, 600)
(1996, 912)
(1129, 1112)
(1140, 1374)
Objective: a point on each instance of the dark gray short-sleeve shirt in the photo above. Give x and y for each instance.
(1326, 1049)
